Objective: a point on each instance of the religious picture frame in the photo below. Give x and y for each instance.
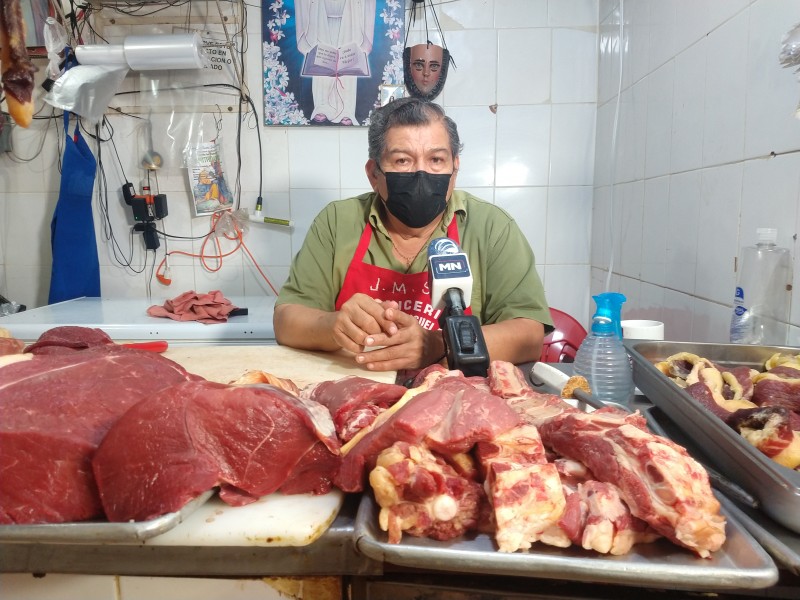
(329, 70)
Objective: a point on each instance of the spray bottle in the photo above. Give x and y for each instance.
(602, 358)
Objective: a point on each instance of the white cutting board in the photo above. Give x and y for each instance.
(274, 520)
(227, 363)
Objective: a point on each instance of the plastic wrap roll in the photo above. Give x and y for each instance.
(101, 54)
(164, 52)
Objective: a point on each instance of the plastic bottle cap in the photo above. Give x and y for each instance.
(767, 235)
(602, 324)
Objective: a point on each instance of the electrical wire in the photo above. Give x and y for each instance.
(103, 204)
(217, 257)
(39, 146)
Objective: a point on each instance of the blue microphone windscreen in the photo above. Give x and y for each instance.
(442, 246)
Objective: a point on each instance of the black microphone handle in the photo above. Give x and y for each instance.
(454, 302)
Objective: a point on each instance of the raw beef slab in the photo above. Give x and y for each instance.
(54, 410)
(354, 401)
(252, 440)
(69, 338)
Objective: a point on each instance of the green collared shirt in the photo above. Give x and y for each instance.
(505, 285)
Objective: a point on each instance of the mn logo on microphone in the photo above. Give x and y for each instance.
(450, 266)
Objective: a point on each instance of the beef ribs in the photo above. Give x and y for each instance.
(55, 411)
(251, 440)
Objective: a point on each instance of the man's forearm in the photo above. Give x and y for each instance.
(515, 340)
(303, 327)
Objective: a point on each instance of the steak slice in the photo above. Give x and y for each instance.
(250, 440)
(54, 411)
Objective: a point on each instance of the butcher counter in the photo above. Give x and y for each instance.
(334, 564)
(127, 319)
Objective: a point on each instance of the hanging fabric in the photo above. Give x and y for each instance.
(76, 269)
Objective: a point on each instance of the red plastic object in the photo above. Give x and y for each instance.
(561, 344)
(154, 346)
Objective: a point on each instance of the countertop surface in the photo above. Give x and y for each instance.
(127, 319)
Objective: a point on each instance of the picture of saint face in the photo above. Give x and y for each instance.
(425, 69)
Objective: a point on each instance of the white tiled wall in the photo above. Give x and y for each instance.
(707, 150)
(535, 59)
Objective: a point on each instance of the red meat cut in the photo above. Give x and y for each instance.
(54, 410)
(450, 417)
(252, 440)
(68, 338)
(354, 401)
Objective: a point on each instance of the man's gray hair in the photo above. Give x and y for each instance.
(408, 111)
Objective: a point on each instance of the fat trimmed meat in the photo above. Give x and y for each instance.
(251, 440)
(54, 411)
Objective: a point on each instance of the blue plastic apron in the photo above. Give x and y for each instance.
(76, 270)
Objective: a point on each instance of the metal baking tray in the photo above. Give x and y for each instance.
(782, 543)
(101, 531)
(740, 564)
(776, 487)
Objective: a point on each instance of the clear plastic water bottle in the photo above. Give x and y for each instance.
(603, 360)
(763, 293)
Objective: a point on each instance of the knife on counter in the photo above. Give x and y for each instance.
(545, 374)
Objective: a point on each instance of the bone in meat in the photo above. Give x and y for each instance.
(420, 494)
(658, 479)
(524, 490)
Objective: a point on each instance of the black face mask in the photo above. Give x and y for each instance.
(416, 199)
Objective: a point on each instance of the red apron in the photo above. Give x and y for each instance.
(410, 291)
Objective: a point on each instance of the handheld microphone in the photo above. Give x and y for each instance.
(448, 269)
(450, 282)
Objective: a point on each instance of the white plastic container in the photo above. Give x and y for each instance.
(763, 293)
(603, 361)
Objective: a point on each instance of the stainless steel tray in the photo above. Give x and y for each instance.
(740, 564)
(776, 487)
(782, 543)
(101, 531)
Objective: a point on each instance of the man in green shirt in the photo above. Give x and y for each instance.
(360, 281)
